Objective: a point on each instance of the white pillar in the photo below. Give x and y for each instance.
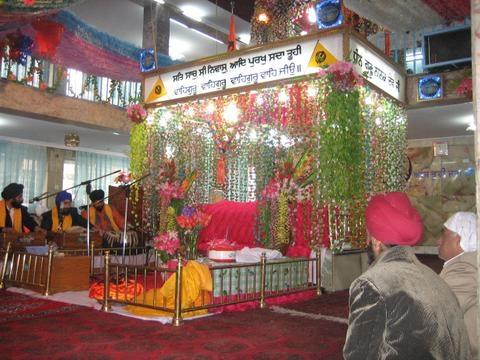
(475, 15)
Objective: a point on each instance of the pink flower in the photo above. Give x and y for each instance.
(170, 190)
(123, 178)
(342, 76)
(168, 242)
(272, 190)
(136, 113)
(465, 87)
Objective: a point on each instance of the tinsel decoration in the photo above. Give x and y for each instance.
(272, 19)
(282, 224)
(20, 47)
(333, 116)
(47, 37)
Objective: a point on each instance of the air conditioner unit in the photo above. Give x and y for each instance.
(447, 49)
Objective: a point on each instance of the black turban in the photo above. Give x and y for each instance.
(96, 195)
(12, 190)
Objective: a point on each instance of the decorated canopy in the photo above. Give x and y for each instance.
(291, 130)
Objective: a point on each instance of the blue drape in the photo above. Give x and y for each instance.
(92, 165)
(25, 164)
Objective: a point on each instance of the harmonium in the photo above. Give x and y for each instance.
(20, 240)
(66, 240)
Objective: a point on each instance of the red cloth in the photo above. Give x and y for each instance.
(232, 220)
(302, 230)
(393, 220)
(48, 35)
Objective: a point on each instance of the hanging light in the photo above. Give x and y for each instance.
(263, 18)
(259, 99)
(282, 96)
(311, 91)
(311, 15)
(231, 113)
(150, 119)
(72, 140)
(210, 108)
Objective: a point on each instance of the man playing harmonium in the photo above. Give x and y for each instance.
(13, 216)
(63, 216)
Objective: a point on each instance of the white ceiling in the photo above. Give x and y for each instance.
(124, 20)
(49, 133)
(439, 121)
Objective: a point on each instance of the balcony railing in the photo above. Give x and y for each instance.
(70, 82)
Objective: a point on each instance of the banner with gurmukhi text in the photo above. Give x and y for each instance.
(264, 65)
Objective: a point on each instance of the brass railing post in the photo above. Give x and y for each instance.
(177, 317)
(106, 284)
(263, 275)
(4, 266)
(49, 270)
(318, 264)
(92, 258)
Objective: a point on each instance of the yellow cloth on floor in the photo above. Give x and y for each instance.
(196, 290)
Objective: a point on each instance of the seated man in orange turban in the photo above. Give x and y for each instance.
(399, 308)
(102, 216)
(13, 216)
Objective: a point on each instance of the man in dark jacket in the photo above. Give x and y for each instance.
(399, 308)
(63, 216)
(13, 216)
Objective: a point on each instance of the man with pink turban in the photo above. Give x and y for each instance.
(458, 247)
(399, 308)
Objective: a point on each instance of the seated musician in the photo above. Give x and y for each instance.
(103, 217)
(13, 216)
(63, 216)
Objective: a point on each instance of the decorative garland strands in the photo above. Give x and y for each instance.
(309, 153)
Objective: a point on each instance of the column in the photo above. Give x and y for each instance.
(475, 15)
(156, 27)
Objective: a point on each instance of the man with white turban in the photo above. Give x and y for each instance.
(458, 247)
(399, 308)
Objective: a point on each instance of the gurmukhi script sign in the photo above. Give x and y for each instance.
(377, 70)
(299, 58)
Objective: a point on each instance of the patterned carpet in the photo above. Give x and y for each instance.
(17, 307)
(37, 328)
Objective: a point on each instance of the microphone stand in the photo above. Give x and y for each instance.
(88, 188)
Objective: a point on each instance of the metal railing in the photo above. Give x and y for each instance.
(26, 270)
(70, 82)
(231, 284)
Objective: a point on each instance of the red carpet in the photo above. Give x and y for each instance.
(16, 307)
(82, 333)
(335, 304)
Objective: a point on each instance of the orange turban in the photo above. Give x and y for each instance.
(393, 220)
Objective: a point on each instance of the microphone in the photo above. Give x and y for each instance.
(37, 198)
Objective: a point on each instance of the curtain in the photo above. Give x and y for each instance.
(92, 165)
(25, 164)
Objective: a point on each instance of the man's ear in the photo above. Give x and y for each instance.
(376, 244)
(457, 240)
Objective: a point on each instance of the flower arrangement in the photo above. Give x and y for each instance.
(136, 113)
(167, 244)
(191, 221)
(465, 88)
(290, 186)
(172, 191)
(123, 178)
(342, 76)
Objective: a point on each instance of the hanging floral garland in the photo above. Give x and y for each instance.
(271, 127)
